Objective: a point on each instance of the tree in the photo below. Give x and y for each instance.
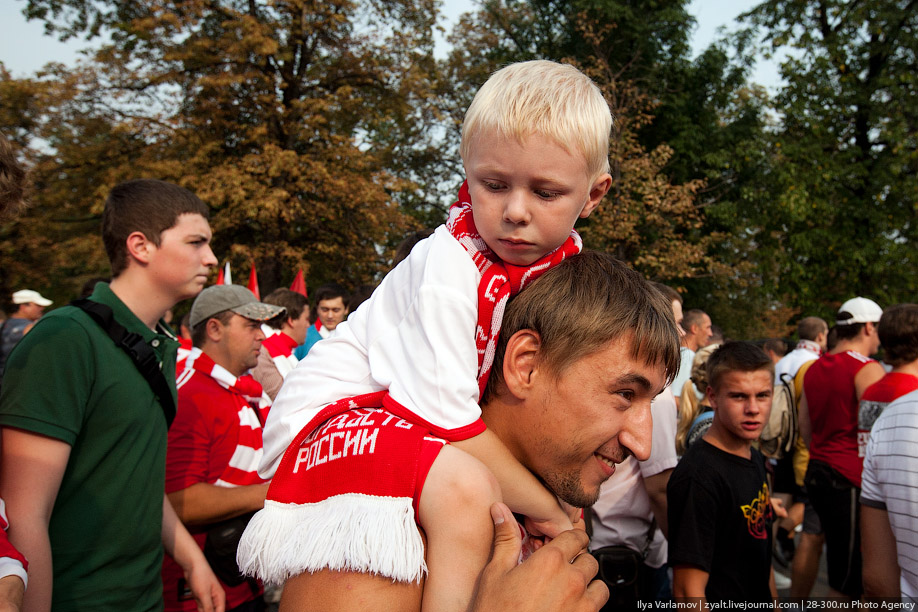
(301, 123)
(841, 193)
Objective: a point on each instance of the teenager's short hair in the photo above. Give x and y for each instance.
(545, 98)
(294, 302)
(328, 292)
(737, 356)
(580, 306)
(148, 206)
(12, 181)
(808, 328)
(692, 317)
(898, 331)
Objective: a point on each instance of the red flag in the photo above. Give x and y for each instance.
(225, 277)
(299, 285)
(220, 277)
(253, 283)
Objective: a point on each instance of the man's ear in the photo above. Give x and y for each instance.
(521, 362)
(214, 330)
(139, 247)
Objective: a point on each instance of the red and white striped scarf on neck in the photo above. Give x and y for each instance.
(253, 407)
(280, 347)
(499, 280)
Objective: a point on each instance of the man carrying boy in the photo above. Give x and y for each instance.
(84, 434)
(720, 510)
(576, 368)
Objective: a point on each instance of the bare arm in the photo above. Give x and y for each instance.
(803, 421)
(656, 490)
(181, 546)
(881, 575)
(11, 591)
(866, 376)
(690, 581)
(521, 491)
(204, 503)
(31, 470)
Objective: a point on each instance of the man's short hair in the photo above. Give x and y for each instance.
(328, 292)
(668, 292)
(12, 181)
(808, 328)
(898, 330)
(294, 302)
(692, 317)
(545, 98)
(776, 346)
(199, 331)
(148, 206)
(737, 356)
(580, 306)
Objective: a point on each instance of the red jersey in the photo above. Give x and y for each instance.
(874, 401)
(833, 406)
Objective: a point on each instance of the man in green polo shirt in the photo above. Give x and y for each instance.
(84, 435)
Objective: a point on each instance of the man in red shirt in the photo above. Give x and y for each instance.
(832, 389)
(215, 441)
(898, 331)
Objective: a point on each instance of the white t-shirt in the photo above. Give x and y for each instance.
(622, 514)
(686, 357)
(790, 363)
(890, 481)
(414, 336)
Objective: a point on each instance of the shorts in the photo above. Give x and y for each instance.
(345, 498)
(811, 522)
(835, 500)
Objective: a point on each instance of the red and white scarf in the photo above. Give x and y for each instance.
(499, 279)
(280, 347)
(253, 406)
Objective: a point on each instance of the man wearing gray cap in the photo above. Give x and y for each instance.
(832, 389)
(215, 441)
(31, 306)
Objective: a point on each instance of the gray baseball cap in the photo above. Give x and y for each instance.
(235, 298)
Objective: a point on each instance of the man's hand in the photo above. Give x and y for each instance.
(556, 577)
(208, 594)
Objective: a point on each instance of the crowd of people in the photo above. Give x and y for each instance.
(448, 444)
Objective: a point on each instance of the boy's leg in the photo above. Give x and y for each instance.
(356, 592)
(454, 513)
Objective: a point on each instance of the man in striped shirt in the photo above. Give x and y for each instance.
(215, 442)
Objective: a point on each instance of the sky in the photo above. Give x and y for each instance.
(24, 48)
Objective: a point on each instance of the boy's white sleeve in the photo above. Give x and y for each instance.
(429, 360)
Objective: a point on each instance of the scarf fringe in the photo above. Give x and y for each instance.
(350, 532)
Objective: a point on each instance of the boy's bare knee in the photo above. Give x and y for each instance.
(457, 485)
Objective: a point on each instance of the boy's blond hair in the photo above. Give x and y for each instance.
(545, 98)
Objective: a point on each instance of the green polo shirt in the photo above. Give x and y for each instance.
(67, 380)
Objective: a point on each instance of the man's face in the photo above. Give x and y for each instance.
(331, 312)
(181, 263)
(703, 332)
(526, 196)
(240, 342)
(576, 427)
(677, 314)
(31, 311)
(742, 404)
(299, 327)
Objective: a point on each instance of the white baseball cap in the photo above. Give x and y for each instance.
(27, 296)
(858, 310)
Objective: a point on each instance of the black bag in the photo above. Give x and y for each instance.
(620, 568)
(220, 548)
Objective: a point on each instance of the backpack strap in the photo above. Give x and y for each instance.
(137, 349)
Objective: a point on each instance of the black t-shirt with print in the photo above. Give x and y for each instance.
(720, 520)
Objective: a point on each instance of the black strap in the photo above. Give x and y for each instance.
(137, 349)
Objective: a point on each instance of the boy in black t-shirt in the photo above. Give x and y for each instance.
(720, 510)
